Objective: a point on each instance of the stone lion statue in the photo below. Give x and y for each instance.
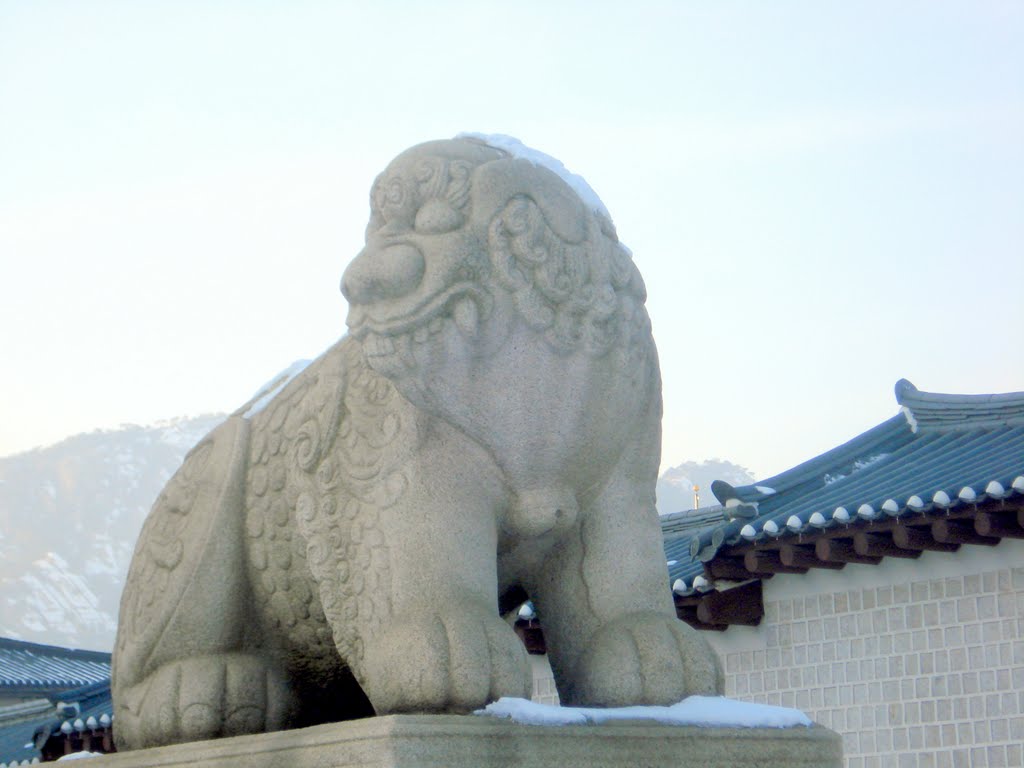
(489, 426)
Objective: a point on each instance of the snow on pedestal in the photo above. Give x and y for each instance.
(707, 711)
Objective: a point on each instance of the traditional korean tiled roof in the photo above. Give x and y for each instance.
(30, 668)
(47, 675)
(946, 470)
(87, 709)
(17, 724)
(678, 530)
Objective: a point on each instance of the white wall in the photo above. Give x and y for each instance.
(917, 663)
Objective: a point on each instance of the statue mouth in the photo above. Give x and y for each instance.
(381, 345)
(460, 306)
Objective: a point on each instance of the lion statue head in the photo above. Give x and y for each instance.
(493, 296)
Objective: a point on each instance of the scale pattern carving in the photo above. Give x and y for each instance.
(323, 464)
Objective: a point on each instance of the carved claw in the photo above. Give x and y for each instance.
(644, 658)
(452, 662)
(204, 697)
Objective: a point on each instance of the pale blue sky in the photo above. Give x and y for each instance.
(822, 196)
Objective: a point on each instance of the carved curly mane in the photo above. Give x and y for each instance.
(586, 295)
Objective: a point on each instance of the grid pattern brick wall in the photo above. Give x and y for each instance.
(544, 691)
(918, 674)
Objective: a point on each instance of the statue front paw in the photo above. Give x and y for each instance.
(451, 661)
(203, 697)
(644, 658)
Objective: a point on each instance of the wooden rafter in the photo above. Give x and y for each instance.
(1003, 524)
(842, 551)
(731, 568)
(861, 541)
(740, 605)
(881, 545)
(947, 531)
(718, 609)
(919, 539)
(804, 556)
(532, 636)
(767, 561)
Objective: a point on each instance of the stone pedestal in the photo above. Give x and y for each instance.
(450, 741)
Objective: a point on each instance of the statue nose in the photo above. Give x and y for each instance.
(379, 274)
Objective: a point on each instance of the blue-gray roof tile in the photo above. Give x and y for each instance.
(941, 451)
(32, 667)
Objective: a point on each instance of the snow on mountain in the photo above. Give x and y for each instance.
(69, 517)
(675, 486)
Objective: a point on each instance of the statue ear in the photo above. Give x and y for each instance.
(497, 182)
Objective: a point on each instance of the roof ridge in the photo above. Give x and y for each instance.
(87, 691)
(80, 654)
(812, 468)
(937, 410)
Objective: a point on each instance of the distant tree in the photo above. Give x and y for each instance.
(675, 486)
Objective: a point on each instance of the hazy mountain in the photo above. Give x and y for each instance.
(675, 487)
(69, 517)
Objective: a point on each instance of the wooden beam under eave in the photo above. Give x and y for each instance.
(919, 538)
(880, 545)
(742, 605)
(803, 556)
(960, 532)
(1001, 524)
(767, 561)
(532, 636)
(731, 568)
(840, 551)
(796, 556)
(688, 612)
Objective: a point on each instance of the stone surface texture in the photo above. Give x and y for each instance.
(491, 421)
(449, 741)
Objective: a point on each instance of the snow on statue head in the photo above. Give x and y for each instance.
(490, 426)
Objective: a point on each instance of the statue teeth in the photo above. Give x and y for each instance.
(405, 350)
(380, 345)
(466, 316)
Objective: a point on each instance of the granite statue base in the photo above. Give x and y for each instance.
(452, 741)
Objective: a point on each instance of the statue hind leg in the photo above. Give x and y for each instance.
(183, 669)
